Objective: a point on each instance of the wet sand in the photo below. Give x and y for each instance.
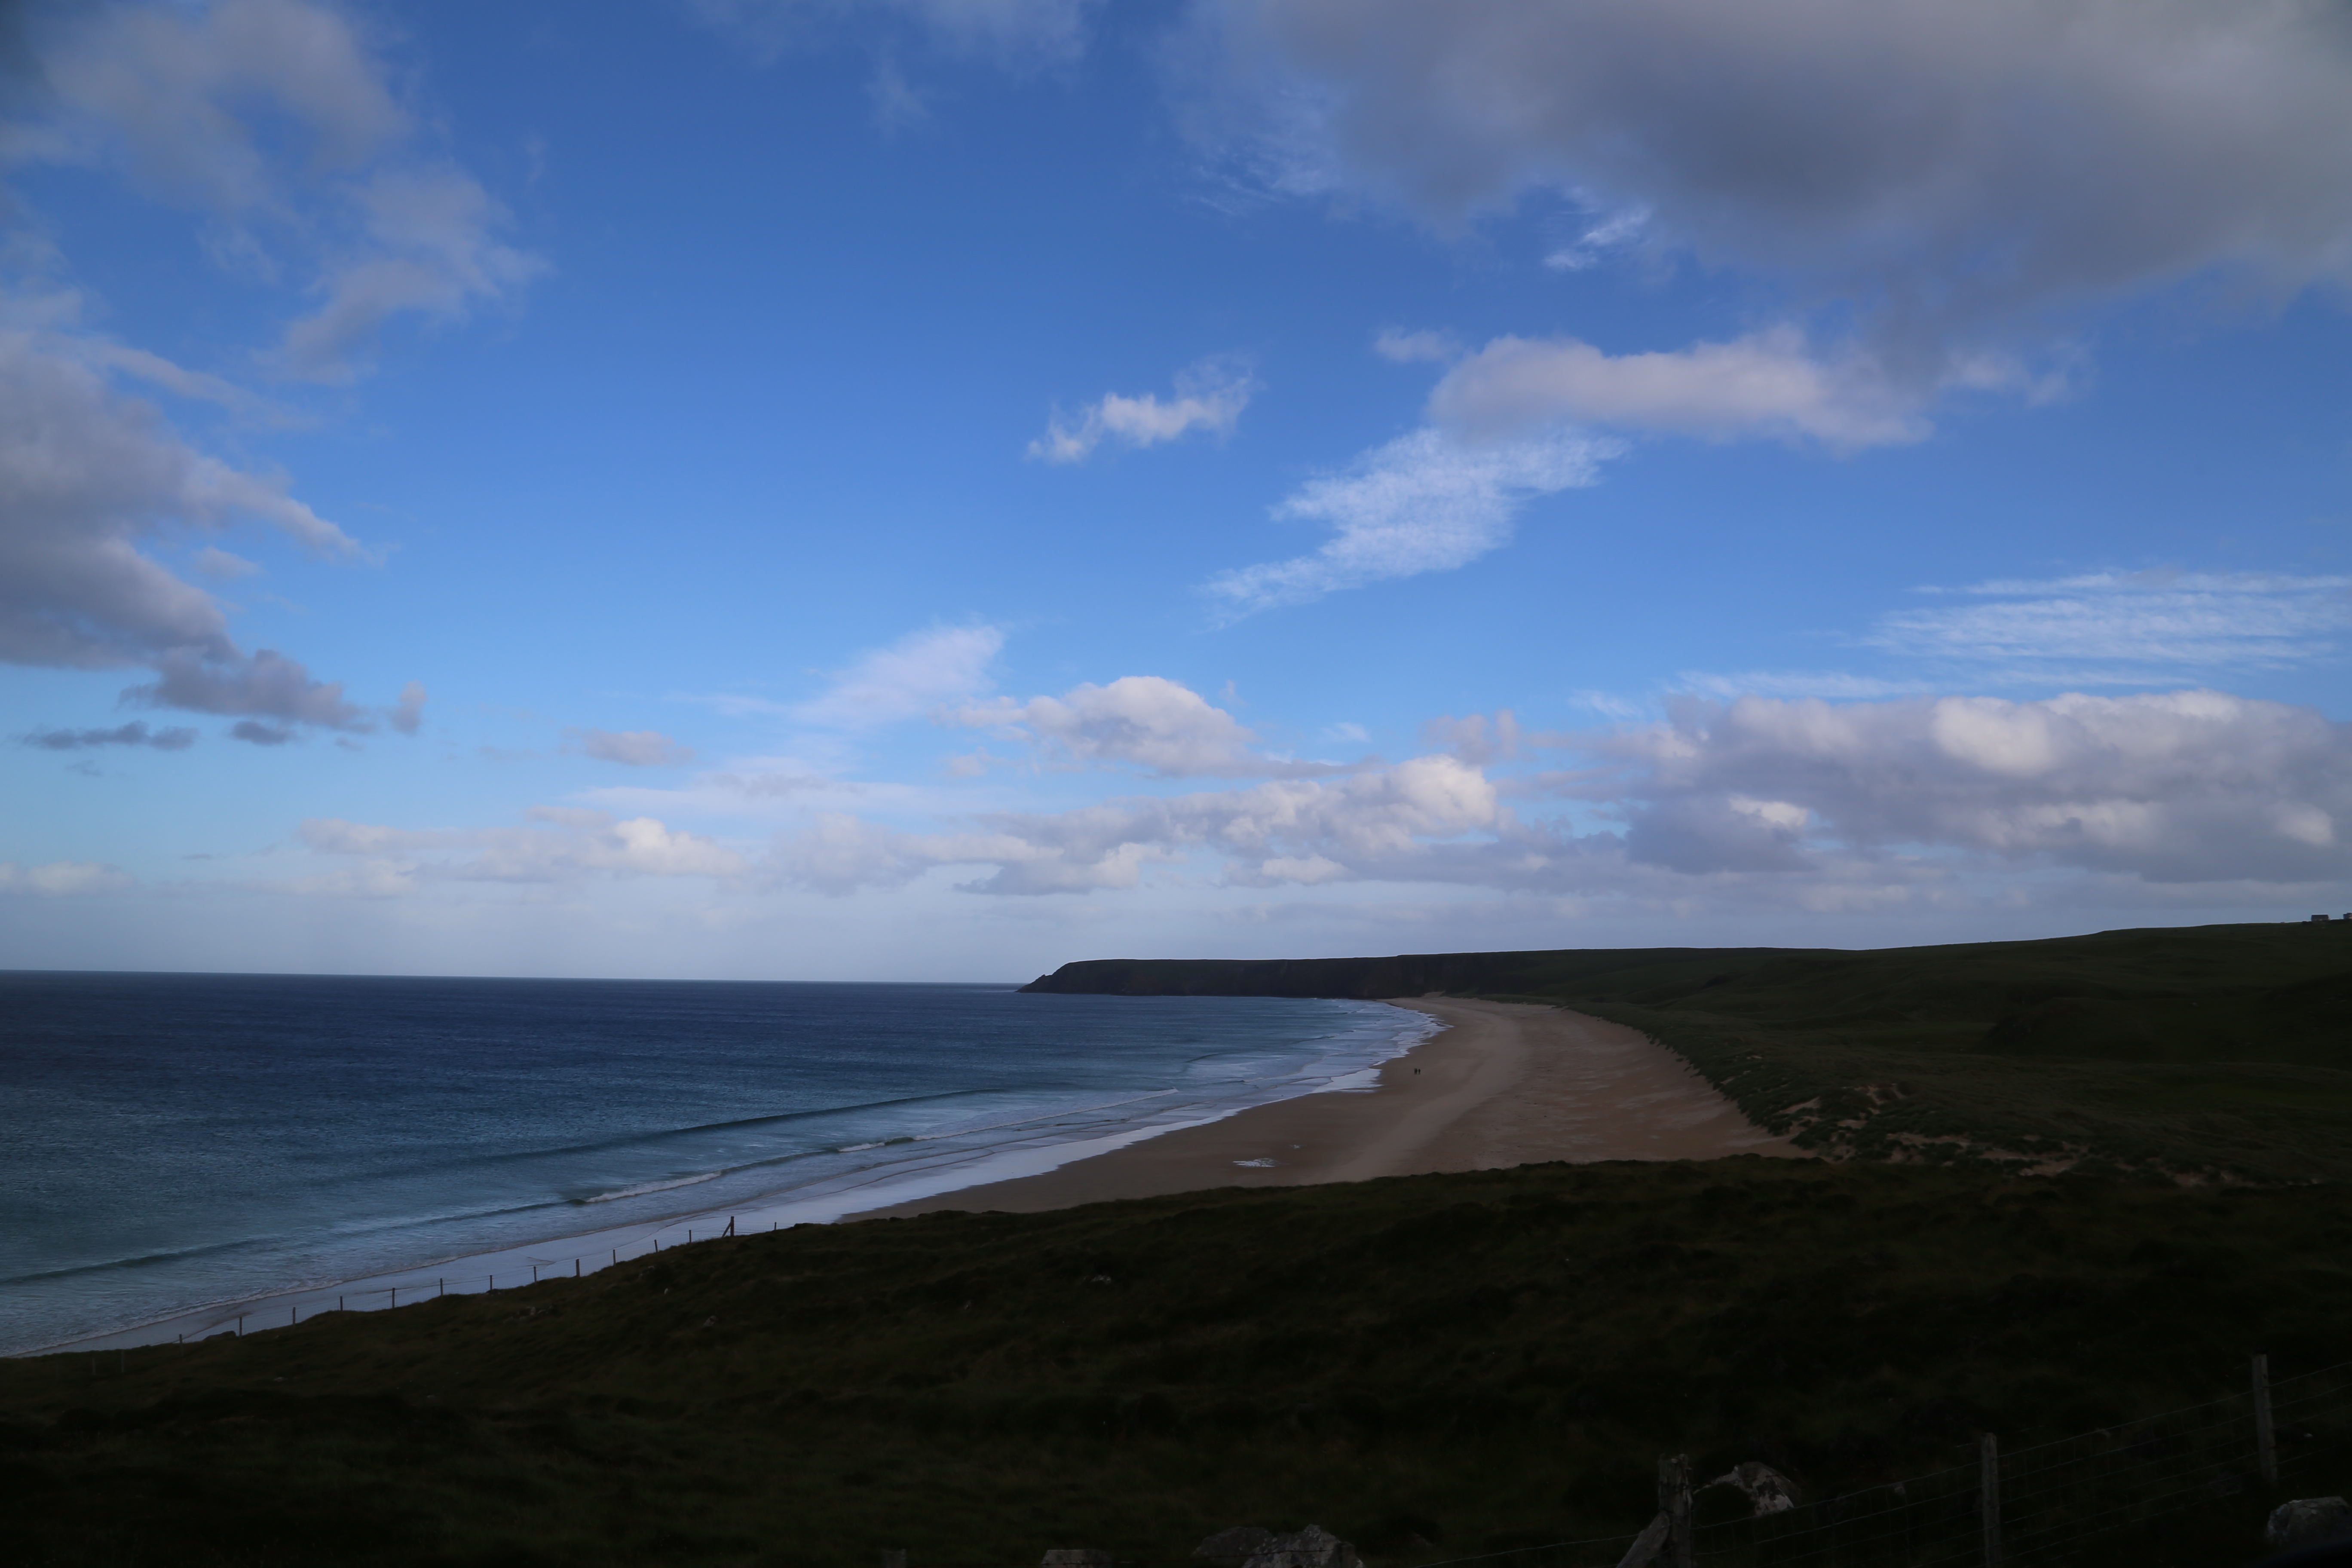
(1505, 1083)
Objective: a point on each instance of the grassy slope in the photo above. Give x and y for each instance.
(2220, 1050)
(1473, 1361)
(2205, 1051)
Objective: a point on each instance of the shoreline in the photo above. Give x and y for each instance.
(1502, 1084)
(1496, 1084)
(830, 1199)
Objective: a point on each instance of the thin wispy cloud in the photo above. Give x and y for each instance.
(1209, 396)
(907, 680)
(1424, 502)
(630, 748)
(2129, 627)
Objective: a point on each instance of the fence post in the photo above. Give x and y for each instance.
(2265, 1435)
(1988, 1491)
(1675, 1503)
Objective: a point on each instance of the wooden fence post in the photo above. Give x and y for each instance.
(2265, 1435)
(1988, 1492)
(1674, 1503)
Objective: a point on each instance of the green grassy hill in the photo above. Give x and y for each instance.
(1433, 1367)
(2205, 1053)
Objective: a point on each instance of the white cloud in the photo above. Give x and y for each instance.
(1144, 720)
(631, 748)
(1760, 802)
(907, 678)
(63, 879)
(1210, 395)
(1770, 383)
(2179, 787)
(1287, 825)
(1424, 502)
(86, 479)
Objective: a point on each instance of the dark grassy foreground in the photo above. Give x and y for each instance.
(1431, 1366)
(2208, 1052)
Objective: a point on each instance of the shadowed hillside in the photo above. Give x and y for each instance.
(1431, 1366)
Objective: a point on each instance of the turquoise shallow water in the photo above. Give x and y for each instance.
(171, 1142)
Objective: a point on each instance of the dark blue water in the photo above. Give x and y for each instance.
(173, 1141)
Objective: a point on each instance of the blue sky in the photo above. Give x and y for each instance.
(933, 489)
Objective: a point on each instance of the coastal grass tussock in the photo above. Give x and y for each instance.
(1428, 1368)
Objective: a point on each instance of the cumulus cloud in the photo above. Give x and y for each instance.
(1424, 502)
(561, 845)
(63, 879)
(631, 748)
(907, 678)
(266, 685)
(1791, 804)
(1281, 831)
(2184, 786)
(134, 734)
(89, 477)
(1960, 178)
(1141, 721)
(1210, 395)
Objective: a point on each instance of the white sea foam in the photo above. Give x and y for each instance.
(921, 1156)
(641, 1188)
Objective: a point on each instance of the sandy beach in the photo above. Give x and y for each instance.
(1505, 1083)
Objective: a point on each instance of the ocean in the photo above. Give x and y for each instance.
(180, 1153)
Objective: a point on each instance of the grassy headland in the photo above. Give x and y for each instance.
(2205, 1053)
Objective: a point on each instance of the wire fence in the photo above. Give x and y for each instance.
(2041, 1504)
(253, 1317)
